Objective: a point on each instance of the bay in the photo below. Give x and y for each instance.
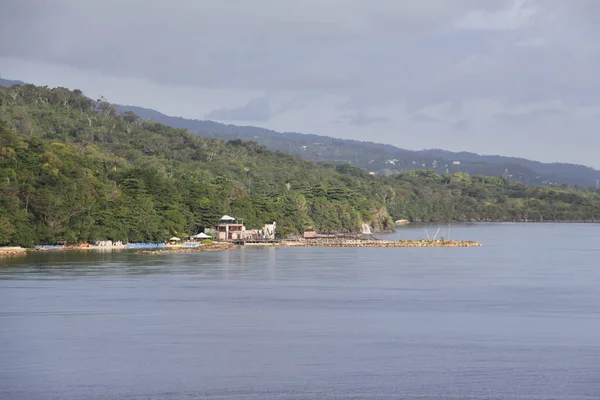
(516, 318)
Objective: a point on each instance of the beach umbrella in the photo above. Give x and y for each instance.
(174, 239)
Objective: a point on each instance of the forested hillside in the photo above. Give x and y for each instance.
(377, 157)
(384, 158)
(73, 170)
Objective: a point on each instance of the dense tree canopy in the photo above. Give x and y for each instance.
(73, 170)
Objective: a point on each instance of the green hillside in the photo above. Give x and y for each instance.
(73, 170)
(383, 158)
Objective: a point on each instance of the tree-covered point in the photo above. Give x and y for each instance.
(73, 170)
(427, 196)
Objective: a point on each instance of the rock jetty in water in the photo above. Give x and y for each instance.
(382, 243)
(12, 251)
(215, 246)
(321, 243)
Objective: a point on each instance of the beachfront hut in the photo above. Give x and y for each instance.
(174, 240)
(201, 236)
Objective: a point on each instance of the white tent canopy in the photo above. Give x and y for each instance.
(227, 218)
(174, 239)
(201, 235)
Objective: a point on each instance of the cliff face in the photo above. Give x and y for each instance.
(381, 221)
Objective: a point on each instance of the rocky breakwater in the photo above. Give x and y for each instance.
(12, 251)
(215, 246)
(383, 243)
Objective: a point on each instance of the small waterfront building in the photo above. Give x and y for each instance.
(310, 234)
(253, 234)
(230, 228)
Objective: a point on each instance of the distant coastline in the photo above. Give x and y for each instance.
(106, 174)
(587, 221)
(16, 251)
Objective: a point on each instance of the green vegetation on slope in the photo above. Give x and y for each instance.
(382, 158)
(428, 196)
(73, 170)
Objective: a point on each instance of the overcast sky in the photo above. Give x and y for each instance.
(509, 77)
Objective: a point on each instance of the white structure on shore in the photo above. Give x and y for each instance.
(269, 231)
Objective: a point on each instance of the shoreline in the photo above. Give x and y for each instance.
(9, 251)
(225, 246)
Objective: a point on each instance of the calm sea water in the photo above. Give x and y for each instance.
(518, 318)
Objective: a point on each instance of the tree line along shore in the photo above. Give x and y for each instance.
(73, 170)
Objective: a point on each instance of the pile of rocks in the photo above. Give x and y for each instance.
(381, 243)
(12, 251)
(214, 246)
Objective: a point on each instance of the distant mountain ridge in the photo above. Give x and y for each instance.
(376, 157)
(382, 158)
(8, 82)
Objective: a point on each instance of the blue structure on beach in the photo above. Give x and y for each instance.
(143, 245)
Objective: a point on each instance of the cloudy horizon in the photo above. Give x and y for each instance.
(509, 77)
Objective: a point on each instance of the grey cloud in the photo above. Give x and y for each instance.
(373, 56)
(460, 125)
(298, 102)
(421, 117)
(392, 50)
(515, 16)
(255, 110)
(375, 52)
(251, 45)
(313, 80)
(362, 119)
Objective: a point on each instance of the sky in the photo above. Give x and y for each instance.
(509, 77)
